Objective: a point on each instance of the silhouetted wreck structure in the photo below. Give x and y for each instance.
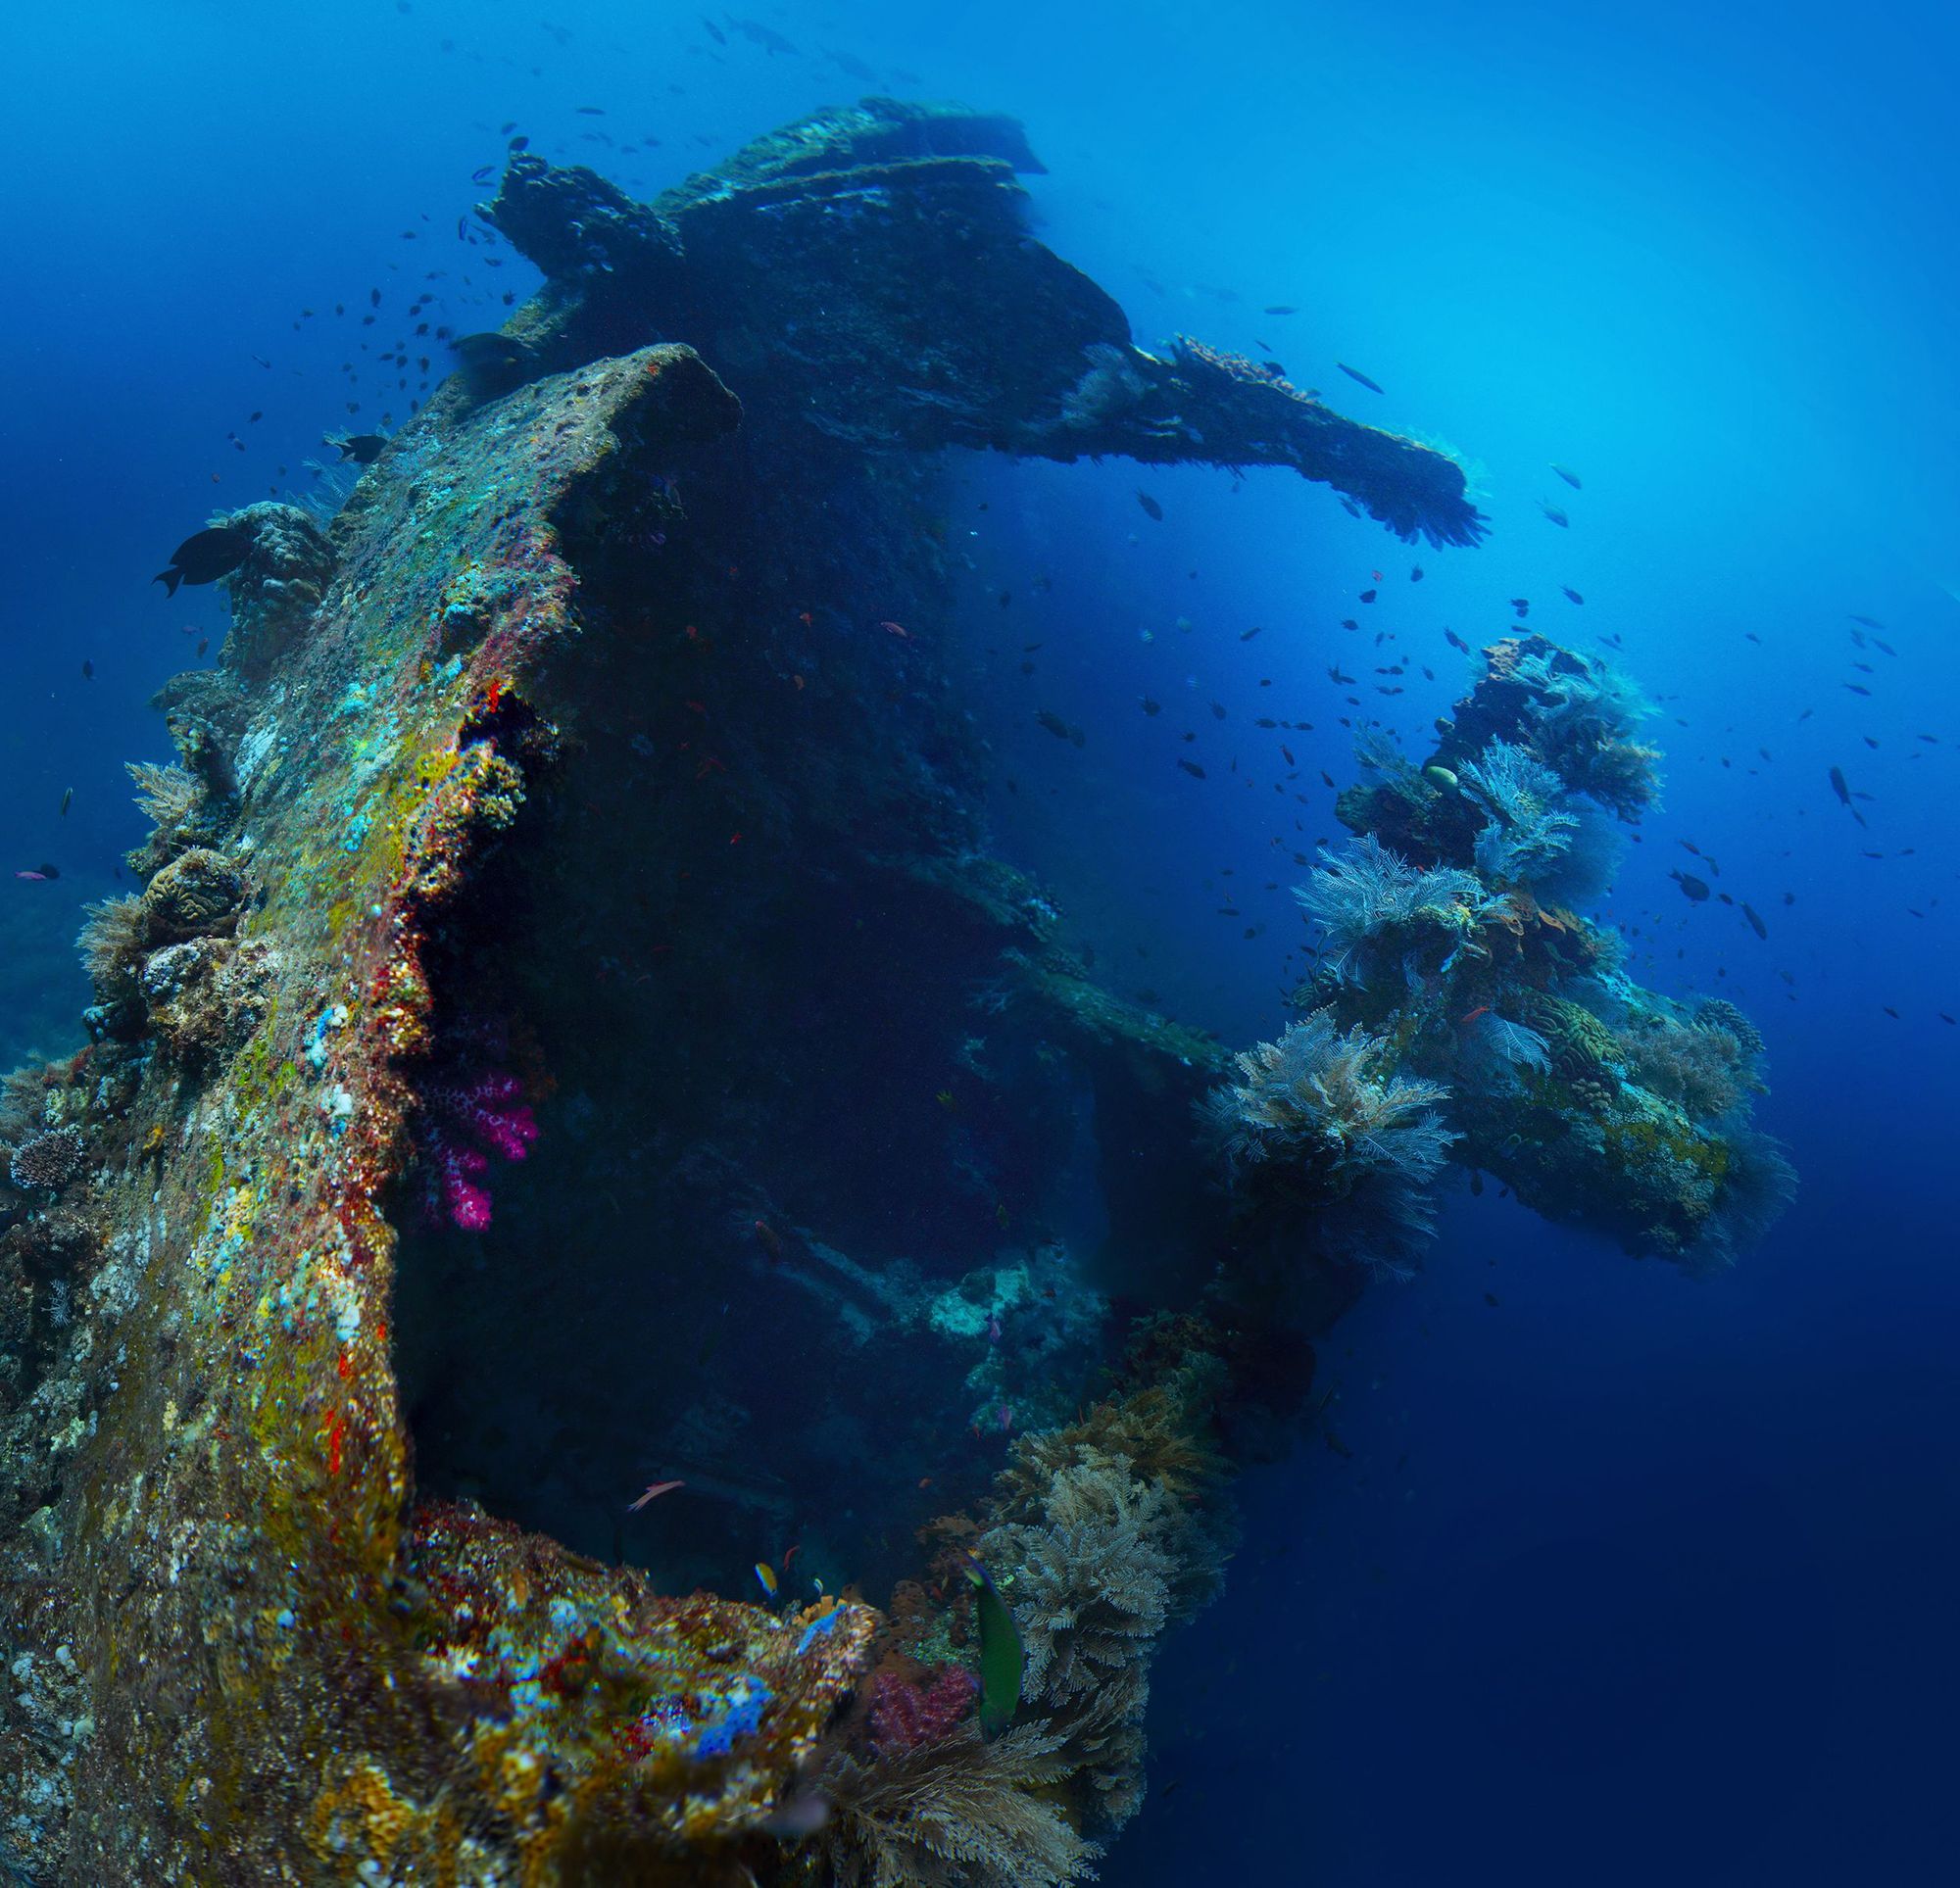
(871, 267)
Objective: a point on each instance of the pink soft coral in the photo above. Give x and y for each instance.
(462, 1117)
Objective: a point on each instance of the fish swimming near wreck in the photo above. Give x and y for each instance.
(493, 364)
(204, 556)
(1355, 373)
(1843, 793)
(1000, 1654)
(1557, 517)
(364, 449)
(1696, 889)
(1152, 508)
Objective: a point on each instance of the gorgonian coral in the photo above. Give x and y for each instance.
(1321, 1117)
(1581, 721)
(1376, 908)
(1704, 1071)
(963, 1812)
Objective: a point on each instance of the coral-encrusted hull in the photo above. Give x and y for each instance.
(295, 1677)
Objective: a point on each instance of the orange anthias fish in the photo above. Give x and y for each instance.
(897, 629)
(1481, 1009)
(771, 1241)
(657, 1489)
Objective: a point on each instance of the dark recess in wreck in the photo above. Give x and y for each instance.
(820, 1095)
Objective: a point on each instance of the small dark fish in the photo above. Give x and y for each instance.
(766, 37)
(1843, 793)
(1151, 706)
(67, 799)
(87, 669)
(1522, 605)
(1696, 889)
(1856, 688)
(713, 31)
(484, 174)
(1218, 711)
(1454, 640)
(520, 144)
(1192, 769)
(1553, 512)
(1572, 594)
(1755, 923)
(1868, 622)
(1247, 635)
(1152, 508)
(364, 449)
(1889, 1011)
(1568, 475)
(1415, 573)
(1283, 307)
(1355, 373)
(1061, 729)
(205, 556)
(592, 111)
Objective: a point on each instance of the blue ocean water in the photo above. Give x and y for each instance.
(1623, 1573)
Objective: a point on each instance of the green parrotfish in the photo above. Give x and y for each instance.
(1001, 1657)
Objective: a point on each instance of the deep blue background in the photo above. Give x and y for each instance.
(1626, 1575)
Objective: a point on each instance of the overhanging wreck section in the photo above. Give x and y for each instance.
(872, 266)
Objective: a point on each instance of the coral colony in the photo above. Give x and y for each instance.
(619, 701)
(467, 1116)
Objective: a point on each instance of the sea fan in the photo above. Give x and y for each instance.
(1320, 1117)
(1582, 719)
(1501, 1047)
(1108, 386)
(1380, 756)
(1557, 845)
(961, 1812)
(1759, 1184)
(167, 795)
(1367, 896)
(114, 937)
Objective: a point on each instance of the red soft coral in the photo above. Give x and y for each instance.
(905, 1715)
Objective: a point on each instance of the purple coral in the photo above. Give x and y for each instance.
(468, 1115)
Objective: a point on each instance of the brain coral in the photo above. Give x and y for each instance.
(197, 894)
